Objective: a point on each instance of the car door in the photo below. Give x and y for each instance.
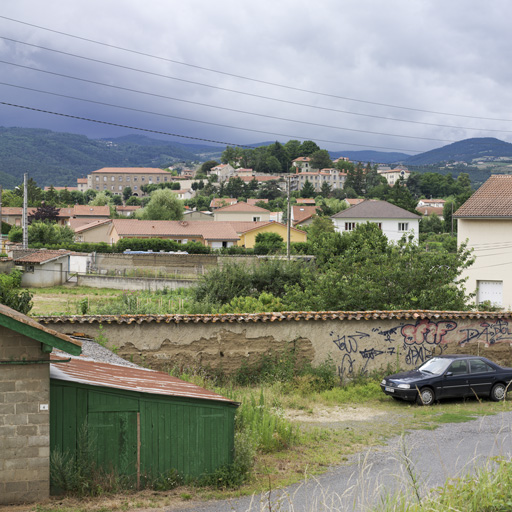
(481, 377)
(455, 381)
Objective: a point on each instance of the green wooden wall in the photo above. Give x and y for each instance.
(190, 435)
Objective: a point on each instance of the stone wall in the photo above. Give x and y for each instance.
(358, 343)
(24, 420)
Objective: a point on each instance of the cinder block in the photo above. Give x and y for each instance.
(9, 477)
(39, 462)
(15, 442)
(39, 441)
(7, 431)
(7, 408)
(43, 430)
(16, 397)
(16, 452)
(16, 419)
(27, 407)
(27, 430)
(7, 386)
(44, 452)
(20, 463)
(41, 418)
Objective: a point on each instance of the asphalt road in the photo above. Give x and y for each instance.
(431, 456)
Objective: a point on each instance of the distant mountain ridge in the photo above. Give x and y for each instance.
(55, 158)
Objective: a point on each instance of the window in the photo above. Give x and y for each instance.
(120, 187)
(112, 187)
(104, 178)
(256, 219)
(97, 178)
(127, 178)
(135, 188)
(349, 226)
(479, 366)
(158, 178)
(104, 187)
(458, 367)
(120, 178)
(135, 178)
(379, 224)
(142, 178)
(165, 179)
(150, 178)
(97, 187)
(403, 226)
(113, 178)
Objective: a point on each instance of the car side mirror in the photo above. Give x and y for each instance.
(448, 374)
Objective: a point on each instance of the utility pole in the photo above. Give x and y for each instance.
(288, 219)
(24, 220)
(452, 218)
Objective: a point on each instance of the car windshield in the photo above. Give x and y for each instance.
(436, 365)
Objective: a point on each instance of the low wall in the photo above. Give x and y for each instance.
(133, 283)
(357, 342)
(165, 262)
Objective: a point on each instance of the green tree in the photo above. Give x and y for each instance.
(51, 197)
(65, 197)
(431, 224)
(268, 243)
(49, 233)
(133, 201)
(308, 147)
(11, 295)
(308, 190)
(34, 193)
(101, 199)
(127, 193)
(325, 189)
(207, 166)
(163, 205)
(321, 159)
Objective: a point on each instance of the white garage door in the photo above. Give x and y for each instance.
(491, 291)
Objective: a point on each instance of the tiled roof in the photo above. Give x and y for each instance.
(428, 210)
(94, 373)
(75, 224)
(84, 210)
(127, 208)
(242, 207)
(492, 200)
(42, 256)
(218, 202)
(375, 210)
(208, 230)
(254, 201)
(285, 316)
(82, 180)
(270, 177)
(131, 170)
(95, 223)
(302, 159)
(301, 212)
(306, 200)
(16, 210)
(354, 201)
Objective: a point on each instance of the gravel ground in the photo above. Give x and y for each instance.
(95, 351)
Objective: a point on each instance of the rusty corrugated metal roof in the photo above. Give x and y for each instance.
(94, 373)
(272, 317)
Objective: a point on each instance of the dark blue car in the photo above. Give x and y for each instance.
(450, 376)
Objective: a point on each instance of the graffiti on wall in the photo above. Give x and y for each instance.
(415, 342)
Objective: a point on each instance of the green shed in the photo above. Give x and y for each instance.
(142, 422)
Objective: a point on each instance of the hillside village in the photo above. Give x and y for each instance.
(218, 268)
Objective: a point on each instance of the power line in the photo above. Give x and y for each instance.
(195, 138)
(252, 95)
(122, 125)
(222, 108)
(256, 80)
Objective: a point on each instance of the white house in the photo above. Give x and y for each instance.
(485, 222)
(395, 222)
(42, 268)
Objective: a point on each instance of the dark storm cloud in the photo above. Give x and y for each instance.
(442, 57)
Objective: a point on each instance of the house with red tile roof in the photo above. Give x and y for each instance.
(220, 202)
(223, 172)
(303, 214)
(485, 222)
(241, 212)
(395, 222)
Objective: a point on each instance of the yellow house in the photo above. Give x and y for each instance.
(248, 237)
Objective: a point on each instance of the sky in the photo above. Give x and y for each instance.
(394, 75)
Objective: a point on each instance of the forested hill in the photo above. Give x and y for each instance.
(463, 151)
(54, 158)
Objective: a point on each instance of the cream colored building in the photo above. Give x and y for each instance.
(485, 222)
(393, 175)
(115, 179)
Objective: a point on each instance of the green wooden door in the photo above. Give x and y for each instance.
(114, 434)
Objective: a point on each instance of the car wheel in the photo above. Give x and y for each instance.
(425, 397)
(498, 392)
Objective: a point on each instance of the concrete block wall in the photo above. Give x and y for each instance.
(24, 427)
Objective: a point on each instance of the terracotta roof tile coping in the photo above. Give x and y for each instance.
(271, 317)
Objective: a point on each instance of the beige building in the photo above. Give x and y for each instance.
(115, 179)
(485, 221)
(393, 175)
(333, 177)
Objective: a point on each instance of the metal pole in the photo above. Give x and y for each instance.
(452, 218)
(25, 209)
(288, 221)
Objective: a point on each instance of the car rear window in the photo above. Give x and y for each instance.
(479, 366)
